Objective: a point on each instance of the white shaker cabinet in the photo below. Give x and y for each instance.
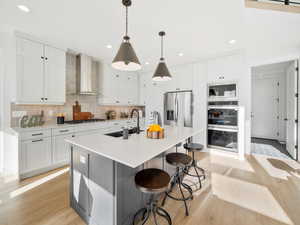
(117, 87)
(60, 153)
(36, 154)
(41, 73)
(228, 68)
(30, 71)
(131, 89)
(55, 75)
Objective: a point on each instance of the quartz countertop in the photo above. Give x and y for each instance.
(136, 150)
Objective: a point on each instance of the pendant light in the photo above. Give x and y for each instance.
(126, 59)
(162, 73)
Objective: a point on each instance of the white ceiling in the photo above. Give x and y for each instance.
(198, 28)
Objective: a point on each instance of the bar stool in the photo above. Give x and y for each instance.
(194, 147)
(154, 182)
(180, 160)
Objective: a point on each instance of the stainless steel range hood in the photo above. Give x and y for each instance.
(87, 71)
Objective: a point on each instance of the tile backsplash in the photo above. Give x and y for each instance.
(88, 103)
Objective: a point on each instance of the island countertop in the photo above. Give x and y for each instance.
(136, 150)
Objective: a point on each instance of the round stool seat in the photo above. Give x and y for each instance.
(178, 159)
(193, 147)
(152, 180)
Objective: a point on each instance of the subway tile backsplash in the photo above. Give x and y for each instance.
(88, 104)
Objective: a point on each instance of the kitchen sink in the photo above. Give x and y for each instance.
(120, 133)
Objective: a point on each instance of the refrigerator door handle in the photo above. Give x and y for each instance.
(177, 107)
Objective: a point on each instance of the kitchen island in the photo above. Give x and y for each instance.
(102, 189)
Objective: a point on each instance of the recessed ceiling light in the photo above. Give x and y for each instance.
(23, 8)
(108, 46)
(232, 42)
(180, 54)
(147, 63)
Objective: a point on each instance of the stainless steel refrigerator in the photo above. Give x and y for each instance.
(178, 108)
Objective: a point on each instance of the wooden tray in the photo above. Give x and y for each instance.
(156, 135)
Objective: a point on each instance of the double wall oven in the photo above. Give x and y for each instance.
(223, 124)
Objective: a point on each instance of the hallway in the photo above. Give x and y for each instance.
(269, 147)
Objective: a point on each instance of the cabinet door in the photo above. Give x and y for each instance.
(61, 152)
(55, 76)
(30, 72)
(132, 87)
(108, 86)
(142, 90)
(226, 68)
(37, 154)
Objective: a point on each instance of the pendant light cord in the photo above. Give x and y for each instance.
(126, 34)
(162, 47)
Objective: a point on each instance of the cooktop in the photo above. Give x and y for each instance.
(83, 121)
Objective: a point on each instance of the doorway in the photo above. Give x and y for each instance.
(274, 116)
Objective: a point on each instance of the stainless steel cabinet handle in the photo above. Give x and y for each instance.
(37, 140)
(63, 131)
(37, 134)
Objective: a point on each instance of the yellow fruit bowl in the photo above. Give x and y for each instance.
(155, 132)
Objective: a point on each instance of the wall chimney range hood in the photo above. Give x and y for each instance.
(87, 71)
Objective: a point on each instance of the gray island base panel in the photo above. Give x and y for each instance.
(102, 190)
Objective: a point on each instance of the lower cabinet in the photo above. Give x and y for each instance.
(36, 154)
(61, 152)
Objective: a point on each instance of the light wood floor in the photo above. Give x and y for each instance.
(257, 191)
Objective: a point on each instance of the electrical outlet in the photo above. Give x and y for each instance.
(17, 114)
(50, 113)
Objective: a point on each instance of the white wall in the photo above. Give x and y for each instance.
(1, 109)
(10, 140)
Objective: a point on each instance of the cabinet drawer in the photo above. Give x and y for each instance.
(36, 134)
(63, 131)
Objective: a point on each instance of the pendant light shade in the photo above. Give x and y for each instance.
(162, 73)
(126, 59)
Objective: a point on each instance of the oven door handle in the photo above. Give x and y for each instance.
(223, 129)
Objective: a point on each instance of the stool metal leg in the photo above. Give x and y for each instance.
(160, 211)
(155, 210)
(177, 179)
(184, 200)
(196, 168)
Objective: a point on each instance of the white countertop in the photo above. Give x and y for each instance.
(136, 150)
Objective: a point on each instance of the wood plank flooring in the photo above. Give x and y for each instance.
(260, 190)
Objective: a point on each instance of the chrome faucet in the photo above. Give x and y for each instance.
(138, 120)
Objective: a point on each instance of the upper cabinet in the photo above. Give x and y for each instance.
(226, 69)
(41, 73)
(118, 88)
